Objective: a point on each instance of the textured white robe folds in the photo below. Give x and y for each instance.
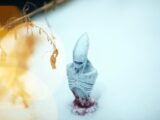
(81, 82)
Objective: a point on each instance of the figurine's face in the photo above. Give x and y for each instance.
(80, 52)
(78, 64)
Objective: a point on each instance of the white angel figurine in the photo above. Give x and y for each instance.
(81, 74)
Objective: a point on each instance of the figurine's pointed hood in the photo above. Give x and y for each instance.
(80, 51)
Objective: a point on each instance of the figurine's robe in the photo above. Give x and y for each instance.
(81, 81)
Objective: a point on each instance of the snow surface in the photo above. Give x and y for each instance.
(124, 47)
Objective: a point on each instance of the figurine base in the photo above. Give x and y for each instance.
(84, 110)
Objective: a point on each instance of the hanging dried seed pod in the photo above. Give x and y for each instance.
(53, 58)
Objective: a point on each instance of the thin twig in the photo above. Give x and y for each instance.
(47, 6)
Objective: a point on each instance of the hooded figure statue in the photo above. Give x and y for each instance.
(81, 74)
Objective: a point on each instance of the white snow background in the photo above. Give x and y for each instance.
(125, 49)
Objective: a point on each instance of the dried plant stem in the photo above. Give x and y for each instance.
(47, 6)
(50, 38)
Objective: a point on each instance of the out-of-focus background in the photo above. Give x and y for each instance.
(125, 49)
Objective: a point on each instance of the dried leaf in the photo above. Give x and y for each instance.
(53, 58)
